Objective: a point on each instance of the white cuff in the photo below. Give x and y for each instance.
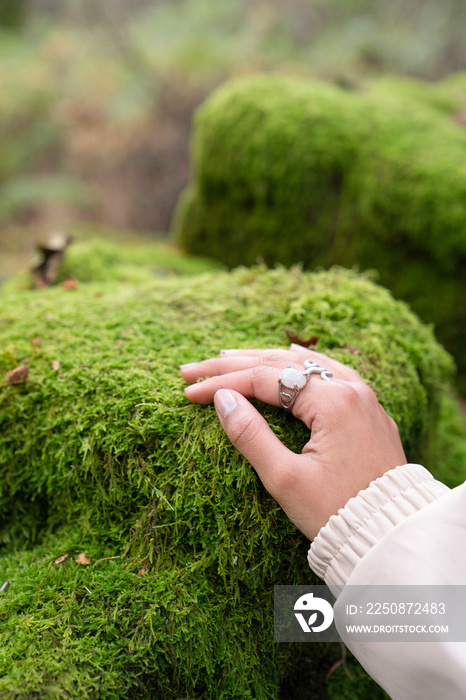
(365, 519)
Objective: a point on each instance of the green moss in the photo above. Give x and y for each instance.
(349, 682)
(106, 456)
(449, 444)
(289, 171)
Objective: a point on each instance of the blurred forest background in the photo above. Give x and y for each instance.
(96, 98)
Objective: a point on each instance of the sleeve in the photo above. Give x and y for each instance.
(404, 529)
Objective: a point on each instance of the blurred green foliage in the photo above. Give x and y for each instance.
(330, 38)
(80, 59)
(30, 133)
(13, 13)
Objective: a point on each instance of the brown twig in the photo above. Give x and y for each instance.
(107, 558)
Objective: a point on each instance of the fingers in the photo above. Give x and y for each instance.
(251, 435)
(256, 373)
(236, 360)
(260, 382)
(235, 363)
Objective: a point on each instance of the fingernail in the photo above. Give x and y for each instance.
(295, 346)
(224, 402)
(189, 365)
(229, 351)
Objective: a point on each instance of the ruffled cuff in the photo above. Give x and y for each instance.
(365, 519)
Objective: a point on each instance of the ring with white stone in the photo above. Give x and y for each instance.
(293, 380)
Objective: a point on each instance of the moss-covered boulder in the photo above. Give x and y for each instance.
(287, 171)
(140, 547)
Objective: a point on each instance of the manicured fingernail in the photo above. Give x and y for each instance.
(189, 365)
(225, 402)
(295, 346)
(191, 388)
(229, 352)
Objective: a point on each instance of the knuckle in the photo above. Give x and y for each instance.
(394, 425)
(260, 374)
(366, 392)
(357, 393)
(244, 431)
(354, 376)
(348, 394)
(259, 371)
(273, 358)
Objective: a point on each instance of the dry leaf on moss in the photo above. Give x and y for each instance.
(70, 283)
(83, 559)
(37, 342)
(19, 375)
(61, 559)
(295, 338)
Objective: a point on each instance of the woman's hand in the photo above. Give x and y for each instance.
(353, 441)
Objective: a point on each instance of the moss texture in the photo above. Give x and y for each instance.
(104, 455)
(288, 171)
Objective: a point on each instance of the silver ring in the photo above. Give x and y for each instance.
(292, 381)
(314, 368)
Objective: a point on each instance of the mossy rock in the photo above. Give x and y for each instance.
(103, 455)
(288, 171)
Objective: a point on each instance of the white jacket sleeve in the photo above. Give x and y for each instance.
(406, 528)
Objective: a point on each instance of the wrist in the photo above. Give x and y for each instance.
(368, 517)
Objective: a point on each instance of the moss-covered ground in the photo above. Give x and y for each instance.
(287, 170)
(101, 454)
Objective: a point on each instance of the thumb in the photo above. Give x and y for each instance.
(251, 435)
